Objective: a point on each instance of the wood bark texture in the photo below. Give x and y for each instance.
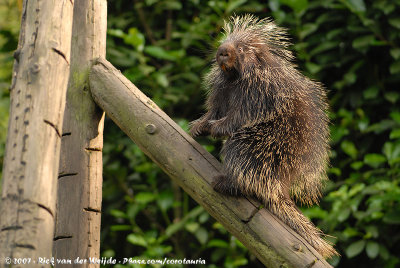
(78, 215)
(193, 168)
(40, 78)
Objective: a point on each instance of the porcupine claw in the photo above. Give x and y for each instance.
(198, 128)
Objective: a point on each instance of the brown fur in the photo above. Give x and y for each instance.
(274, 121)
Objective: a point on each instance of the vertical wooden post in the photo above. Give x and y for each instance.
(40, 78)
(80, 175)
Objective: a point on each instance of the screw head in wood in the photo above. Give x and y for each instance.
(151, 128)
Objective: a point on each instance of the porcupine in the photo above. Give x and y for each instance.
(274, 120)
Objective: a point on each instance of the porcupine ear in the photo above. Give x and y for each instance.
(266, 31)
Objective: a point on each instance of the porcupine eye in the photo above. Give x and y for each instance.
(241, 53)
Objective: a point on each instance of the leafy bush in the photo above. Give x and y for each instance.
(351, 46)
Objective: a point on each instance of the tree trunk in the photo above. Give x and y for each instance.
(80, 175)
(190, 166)
(40, 77)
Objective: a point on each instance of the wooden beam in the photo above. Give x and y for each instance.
(78, 217)
(40, 77)
(193, 168)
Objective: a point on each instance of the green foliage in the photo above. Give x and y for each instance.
(352, 46)
(165, 47)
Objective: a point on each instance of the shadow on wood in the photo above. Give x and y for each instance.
(193, 168)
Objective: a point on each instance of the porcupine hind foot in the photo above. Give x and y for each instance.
(222, 184)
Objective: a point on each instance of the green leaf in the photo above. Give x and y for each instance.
(116, 32)
(312, 67)
(296, 5)
(363, 41)
(151, 2)
(307, 29)
(217, 243)
(350, 232)
(173, 5)
(165, 200)
(192, 226)
(173, 228)
(136, 240)
(395, 67)
(144, 197)
(324, 46)
(395, 22)
(392, 96)
(372, 231)
(355, 189)
(204, 217)
(392, 217)
(161, 79)
(335, 171)
(374, 160)
(357, 165)
(371, 92)
(349, 148)
(355, 248)
(386, 7)
(135, 38)
(338, 132)
(239, 261)
(383, 252)
(201, 235)
(392, 152)
(232, 5)
(381, 126)
(395, 134)
(343, 214)
(116, 228)
(395, 116)
(372, 249)
(160, 53)
(118, 213)
(395, 53)
(357, 5)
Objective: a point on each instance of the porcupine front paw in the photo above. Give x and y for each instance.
(223, 185)
(198, 128)
(220, 128)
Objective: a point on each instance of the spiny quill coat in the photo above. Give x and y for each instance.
(275, 122)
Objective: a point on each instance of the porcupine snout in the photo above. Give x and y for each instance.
(226, 56)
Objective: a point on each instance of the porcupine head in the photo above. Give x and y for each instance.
(274, 121)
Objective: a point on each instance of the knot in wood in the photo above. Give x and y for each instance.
(151, 128)
(17, 54)
(297, 247)
(35, 68)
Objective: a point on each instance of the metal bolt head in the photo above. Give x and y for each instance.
(151, 128)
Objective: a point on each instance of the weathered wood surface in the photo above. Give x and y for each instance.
(78, 215)
(40, 77)
(192, 167)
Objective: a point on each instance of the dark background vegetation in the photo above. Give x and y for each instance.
(165, 47)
